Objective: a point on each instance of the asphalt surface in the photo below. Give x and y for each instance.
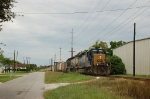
(30, 86)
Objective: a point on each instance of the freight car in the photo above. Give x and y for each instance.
(60, 67)
(92, 61)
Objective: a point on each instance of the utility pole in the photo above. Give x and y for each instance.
(55, 68)
(72, 44)
(134, 49)
(14, 61)
(27, 60)
(60, 54)
(24, 60)
(51, 61)
(54, 59)
(52, 64)
(27, 64)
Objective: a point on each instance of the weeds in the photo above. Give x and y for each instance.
(103, 88)
(125, 88)
(135, 89)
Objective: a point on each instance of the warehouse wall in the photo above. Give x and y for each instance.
(142, 56)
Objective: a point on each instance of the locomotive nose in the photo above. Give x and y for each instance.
(99, 59)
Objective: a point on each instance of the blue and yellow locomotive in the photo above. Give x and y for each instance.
(92, 61)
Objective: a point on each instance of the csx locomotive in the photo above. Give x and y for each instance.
(92, 61)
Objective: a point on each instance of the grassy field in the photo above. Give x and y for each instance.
(130, 89)
(59, 77)
(9, 76)
(80, 91)
(103, 88)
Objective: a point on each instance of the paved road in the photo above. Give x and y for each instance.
(30, 86)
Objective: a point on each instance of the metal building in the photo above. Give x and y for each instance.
(142, 56)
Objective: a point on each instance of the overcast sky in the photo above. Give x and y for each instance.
(47, 24)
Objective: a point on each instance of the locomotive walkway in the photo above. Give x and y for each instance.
(30, 86)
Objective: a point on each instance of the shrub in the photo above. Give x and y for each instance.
(117, 66)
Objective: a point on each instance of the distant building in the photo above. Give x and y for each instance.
(142, 56)
(21, 66)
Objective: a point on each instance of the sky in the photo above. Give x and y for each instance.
(47, 25)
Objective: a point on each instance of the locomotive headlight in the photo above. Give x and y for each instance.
(100, 57)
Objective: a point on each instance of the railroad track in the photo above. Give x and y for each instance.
(130, 78)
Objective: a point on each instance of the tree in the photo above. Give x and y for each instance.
(31, 67)
(117, 66)
(96, 44)
(7, 61)
(5, 11)
(1, 55)
(114, 44)
(101, 44)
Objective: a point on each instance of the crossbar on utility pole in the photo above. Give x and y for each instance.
(134, 49)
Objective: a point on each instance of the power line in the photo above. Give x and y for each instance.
(82, 16)
(86, 12)
(103, 17)
(42, 13)
(117, 37)
(128, 21)
(93, 19)
(109, 24)
(130, 16)
(124, 9)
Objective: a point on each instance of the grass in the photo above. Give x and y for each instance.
(80, 91)
(103, 88)
(130, 89)
(59, 77)
(135, 89)
(9, 76)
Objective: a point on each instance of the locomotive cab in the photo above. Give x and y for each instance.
(97, 59)
(96, 56)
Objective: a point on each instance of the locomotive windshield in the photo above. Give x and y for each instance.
(99, 51)
(94, 51)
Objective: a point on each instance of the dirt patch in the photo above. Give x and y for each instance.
(54, 86)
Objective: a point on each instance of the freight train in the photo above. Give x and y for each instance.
(59, 67)
(92, 61)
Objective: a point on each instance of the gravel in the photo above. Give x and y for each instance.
(54, 86)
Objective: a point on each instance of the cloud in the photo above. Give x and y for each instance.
(46, 26)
